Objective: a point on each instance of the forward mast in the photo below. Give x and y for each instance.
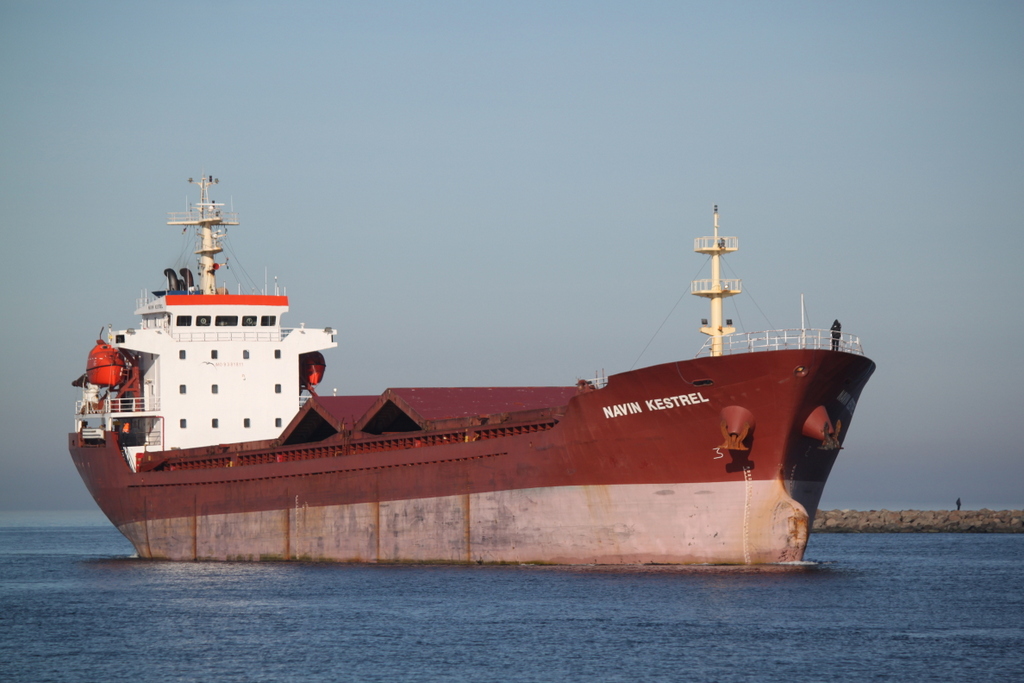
(716, 288)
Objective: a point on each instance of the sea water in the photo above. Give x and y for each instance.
(76, 605)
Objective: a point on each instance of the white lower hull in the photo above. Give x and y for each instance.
(722, 523)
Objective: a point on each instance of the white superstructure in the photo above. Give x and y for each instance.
(203, 367)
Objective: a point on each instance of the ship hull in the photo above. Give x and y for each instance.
(636, 472)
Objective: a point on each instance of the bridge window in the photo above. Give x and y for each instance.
(202, 321)
(183, 321)
(248, 321)
(268, 320)
(227, 321)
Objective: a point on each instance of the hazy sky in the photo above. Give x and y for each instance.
(485, 193)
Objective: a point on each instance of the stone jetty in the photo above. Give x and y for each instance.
(920, 521)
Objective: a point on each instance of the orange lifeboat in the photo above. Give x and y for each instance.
(106, 365)
(311, 368)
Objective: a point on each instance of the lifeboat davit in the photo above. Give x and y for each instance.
(311, 368)
(106, 365)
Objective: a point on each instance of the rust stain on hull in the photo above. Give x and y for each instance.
(572, 526)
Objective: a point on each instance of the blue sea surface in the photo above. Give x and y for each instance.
(76, 605)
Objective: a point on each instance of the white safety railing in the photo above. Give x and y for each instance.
(778, 340)
(707, 286)
(711, 243)
(152, 297)
(219, 334)
(117, 405)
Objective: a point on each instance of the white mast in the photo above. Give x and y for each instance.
(716, 288)
(803, 323)
(204, 216)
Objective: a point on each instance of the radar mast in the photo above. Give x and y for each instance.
(204, 216)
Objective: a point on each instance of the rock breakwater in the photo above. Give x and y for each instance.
(920, 521)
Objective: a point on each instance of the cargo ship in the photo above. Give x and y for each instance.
(201, 435)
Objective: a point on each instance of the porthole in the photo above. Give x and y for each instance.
(800, 371)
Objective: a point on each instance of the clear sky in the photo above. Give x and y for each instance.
(492, 193)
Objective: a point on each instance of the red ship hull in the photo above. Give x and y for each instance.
(638, 471)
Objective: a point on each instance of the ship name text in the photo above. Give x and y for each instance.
(635, 407)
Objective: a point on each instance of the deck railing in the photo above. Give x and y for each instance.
(777, 340)
(118, 405)
(219, 334)
(132, 405)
